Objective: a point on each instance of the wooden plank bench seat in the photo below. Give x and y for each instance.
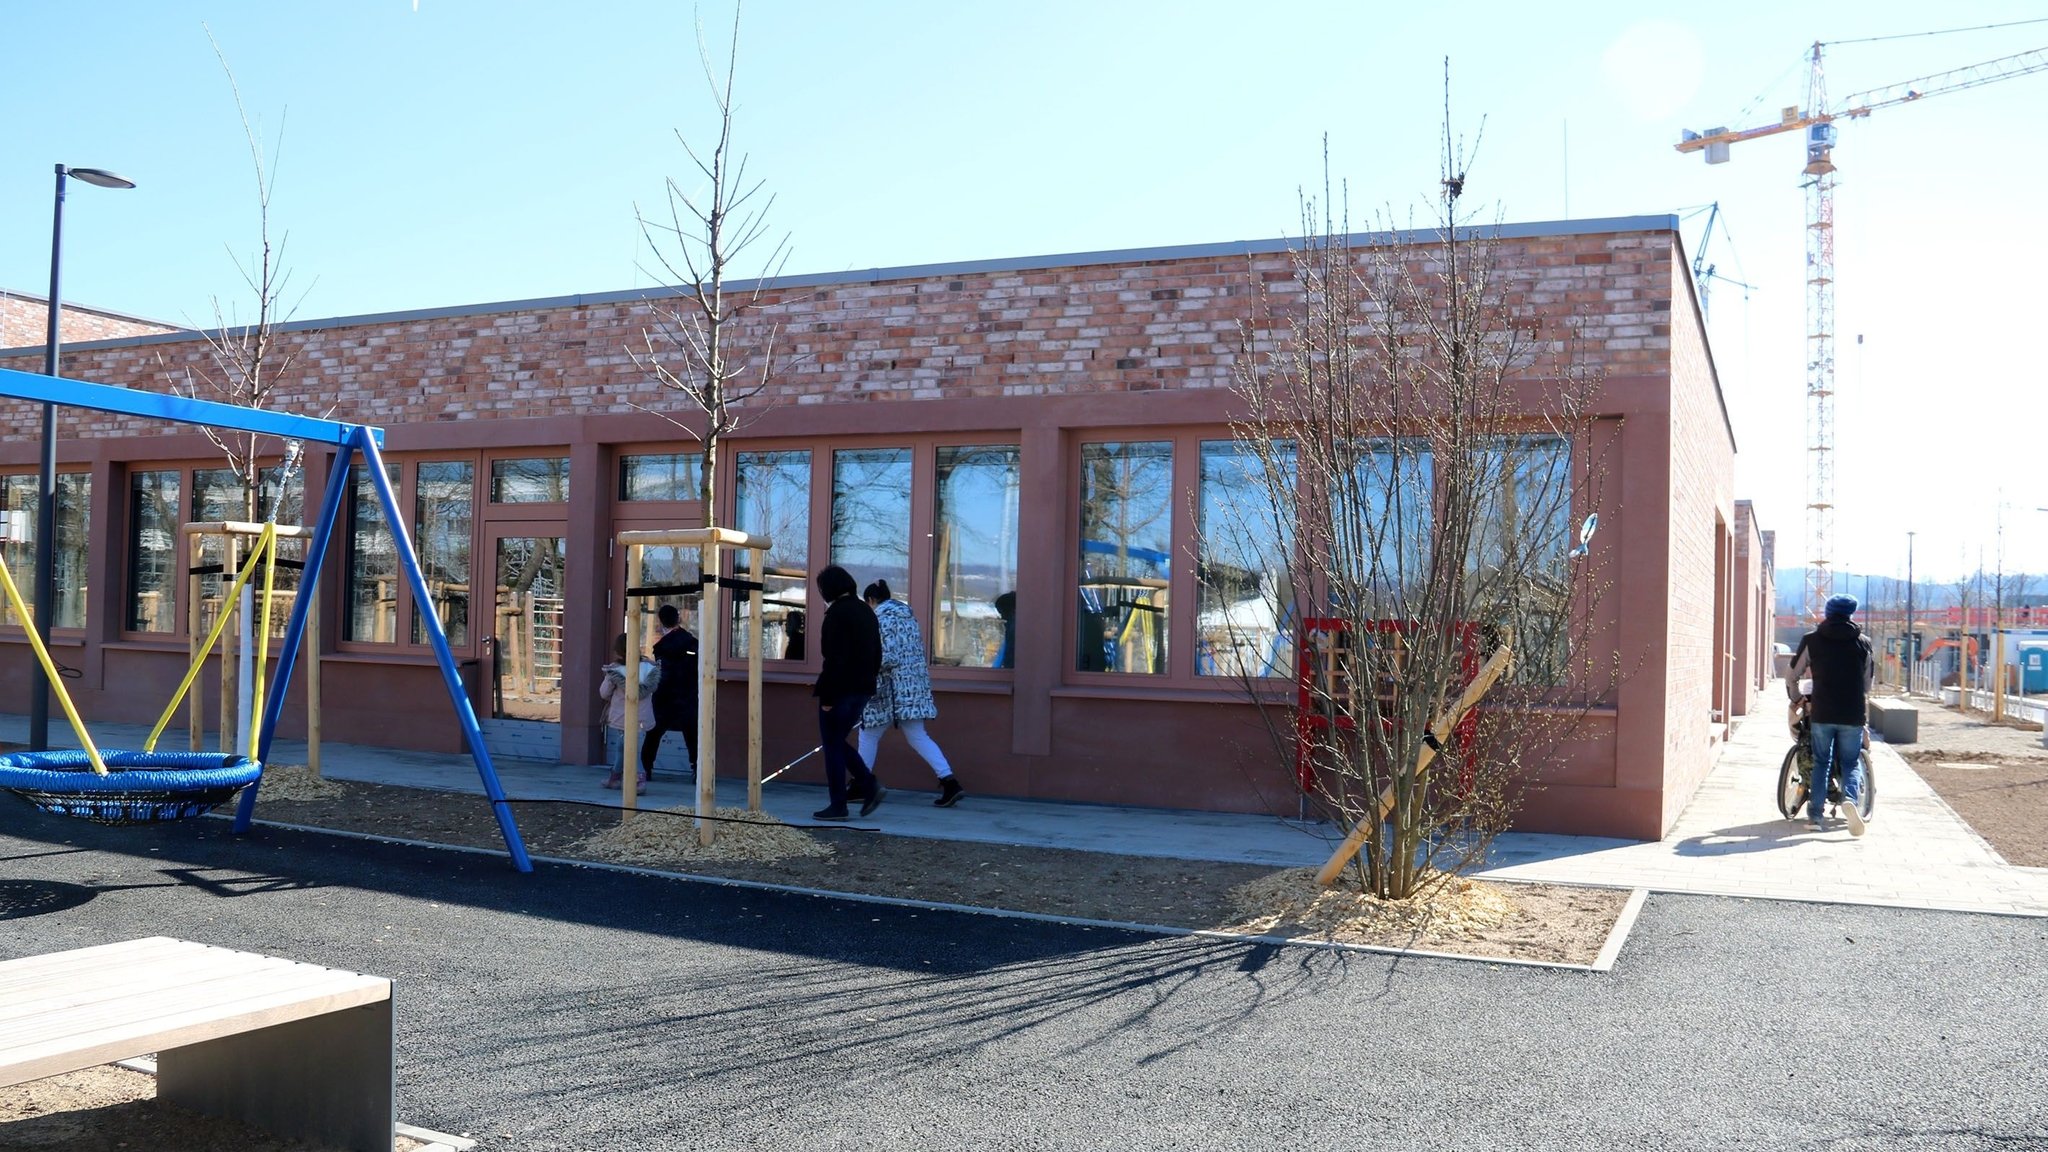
(294, 1049)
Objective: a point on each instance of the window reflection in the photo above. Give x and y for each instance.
(74, 505)
(443, 511)
(871, 515)
(974, 557)
(668, 476)
(153, 583)
(372, 603)
(1243, 625)
(535, 480)
(772, 498)
(1126, 561)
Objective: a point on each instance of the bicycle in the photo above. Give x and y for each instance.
(1796, 773)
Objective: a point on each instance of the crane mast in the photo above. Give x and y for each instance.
(1820, 347)
(1818, 124)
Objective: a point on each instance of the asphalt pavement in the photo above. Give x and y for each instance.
(576, 1008)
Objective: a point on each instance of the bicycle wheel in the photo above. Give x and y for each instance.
(1792, 775)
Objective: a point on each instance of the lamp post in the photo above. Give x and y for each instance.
(46, 498)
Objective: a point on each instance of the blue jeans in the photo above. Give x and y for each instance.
(842, 759)
(1837, 748)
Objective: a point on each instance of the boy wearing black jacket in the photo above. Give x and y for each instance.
(850, 641)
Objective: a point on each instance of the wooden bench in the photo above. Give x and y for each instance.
(294, 1049)
(1896, 721)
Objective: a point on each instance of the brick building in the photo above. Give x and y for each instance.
(935, 431)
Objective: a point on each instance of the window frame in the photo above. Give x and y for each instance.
(924, 448)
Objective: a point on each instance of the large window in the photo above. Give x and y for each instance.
(871, 516)
(371, 605)
(663, 476)
(1518, 569)
(1381, 522)
(219, 494)
(153, 583)
(1244, 626)
(444, 503)
(974, 557)
(772, 498)
(1126, 557)
(74, 505)
(530, 480)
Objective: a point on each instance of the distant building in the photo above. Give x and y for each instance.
(938, 431)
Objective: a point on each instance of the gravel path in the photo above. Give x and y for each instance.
(576, 1009)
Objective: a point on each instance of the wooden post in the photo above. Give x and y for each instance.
(231, 563)
(757, 570)
(195, 707)
(1440, 726)
(708, 652)
(629, 754)
(1997, 672)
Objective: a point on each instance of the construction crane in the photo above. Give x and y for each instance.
(1703, 273)
(1817, 120)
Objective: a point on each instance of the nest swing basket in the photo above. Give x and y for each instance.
(139, 787)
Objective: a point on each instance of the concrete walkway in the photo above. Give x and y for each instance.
(1730, 840)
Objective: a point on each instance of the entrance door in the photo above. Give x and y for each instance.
(528, 641)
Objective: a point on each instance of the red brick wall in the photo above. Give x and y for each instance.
(25, 322)
(1702, 480)
(1151, 325)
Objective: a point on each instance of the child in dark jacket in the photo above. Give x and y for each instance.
(850, 642)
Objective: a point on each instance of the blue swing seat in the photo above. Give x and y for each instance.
(139, 787)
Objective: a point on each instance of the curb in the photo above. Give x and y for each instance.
(1607, 953)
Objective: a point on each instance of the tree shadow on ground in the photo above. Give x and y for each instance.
(272, 863)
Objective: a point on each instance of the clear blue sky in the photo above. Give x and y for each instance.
(464, 151)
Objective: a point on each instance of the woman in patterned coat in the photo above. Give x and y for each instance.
(903, 692)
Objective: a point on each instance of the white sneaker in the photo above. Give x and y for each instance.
(1854, 817)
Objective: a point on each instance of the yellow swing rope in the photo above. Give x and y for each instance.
(264, 542)
(92, 752)
(268, 546)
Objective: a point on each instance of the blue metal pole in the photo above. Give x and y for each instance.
(295, 630)
(423, 601)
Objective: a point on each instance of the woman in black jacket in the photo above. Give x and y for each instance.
(851, 644)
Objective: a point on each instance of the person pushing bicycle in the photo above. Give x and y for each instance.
(1836, 657)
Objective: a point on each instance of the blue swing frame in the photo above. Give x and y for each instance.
(349, 439)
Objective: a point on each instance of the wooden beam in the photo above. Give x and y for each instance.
(1440, 726)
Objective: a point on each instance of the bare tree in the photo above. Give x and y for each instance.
(696, 346)
(247, 363)
(1419, 510)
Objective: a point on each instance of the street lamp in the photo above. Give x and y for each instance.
(46, 499)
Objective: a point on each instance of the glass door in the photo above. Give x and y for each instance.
(527, 634)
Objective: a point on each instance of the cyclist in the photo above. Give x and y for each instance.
(1836, 656)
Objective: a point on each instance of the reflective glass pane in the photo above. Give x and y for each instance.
(372, 603)
(74, 505)
(444, 502)
(529, 590)
(1244, 626)
(871, 516)
(153, 583)
(540, 480)
(1381, 523)
(974, 557)
(670, 476)
(772, 497)
(1126, 560)
(1518, 570)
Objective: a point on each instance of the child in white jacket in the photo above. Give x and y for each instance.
(612, 690)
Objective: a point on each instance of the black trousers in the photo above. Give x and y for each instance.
(650, 745)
